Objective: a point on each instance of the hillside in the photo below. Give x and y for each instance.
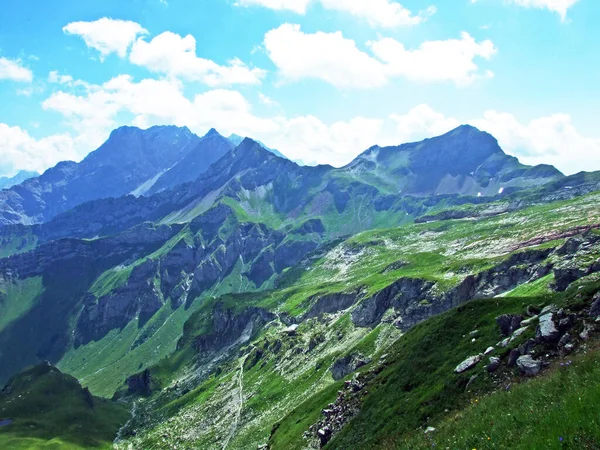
(44, 408)
(228, 296)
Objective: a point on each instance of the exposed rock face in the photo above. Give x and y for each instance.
(229, 328)
(331, 303)
(468, 363)
(140, 384)
(415, 300)
(348, 364)
(137, 298)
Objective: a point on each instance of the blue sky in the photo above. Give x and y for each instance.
(321, 80)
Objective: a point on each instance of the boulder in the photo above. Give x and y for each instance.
(468, 363)
(489, 351)
(509, 323)
(494, 364)
(547, 328)
(529, 366)
(514, 355)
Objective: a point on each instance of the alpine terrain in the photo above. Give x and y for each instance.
(172, 291)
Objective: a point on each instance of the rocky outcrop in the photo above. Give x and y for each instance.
(329, 304)
(229, 327)
(344, 366)
(138, 298)
(140, 384)
(413, 300)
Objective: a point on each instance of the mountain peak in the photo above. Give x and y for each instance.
(212, 133)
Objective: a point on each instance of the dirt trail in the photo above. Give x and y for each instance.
(238, 413)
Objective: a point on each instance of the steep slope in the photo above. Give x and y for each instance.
(44, 408)
(129, 158)
(8, 182)
(211, 148)
(277, 359)
(464, 161)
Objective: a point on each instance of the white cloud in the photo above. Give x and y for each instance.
(558, 6)
(337, 60)
(378, 13)
(326, 56)
(382, 13)
(449, 60)
(171, 54)
(297, 6)
(21, 151)
(56, 78)
(312, 141)
(267, 101)
(13, 70)
(107, 35)
(420, 122)
(546, 140)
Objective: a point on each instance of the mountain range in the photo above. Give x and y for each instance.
(176, 268)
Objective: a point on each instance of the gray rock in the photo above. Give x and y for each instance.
(494, 364)
(547, 328)
(518, 333)
(595, 308)
(514, 355)
(348, 364)
(529, 366)
(529, 321)
(509, 323)
(587, 329)
(468, 363)
(489, 351)
(565, 340)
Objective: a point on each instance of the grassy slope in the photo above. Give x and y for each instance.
(50, 410)
(558, 411)
(418, 388)
(443, 252)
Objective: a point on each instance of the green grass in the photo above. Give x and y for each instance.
(50, 410)
(558, 411)
(17, 297)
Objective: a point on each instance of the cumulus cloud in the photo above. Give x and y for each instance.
(337, 60)
(13, 69)
(20, 150)
(560, 7)
(378, 13)
(297, 6)
(174, 55)
(107, 35)
(327, 56)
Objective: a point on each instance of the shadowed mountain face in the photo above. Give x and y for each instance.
(129, 158)
(8, 182)
(210, 149)
(464, 161)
